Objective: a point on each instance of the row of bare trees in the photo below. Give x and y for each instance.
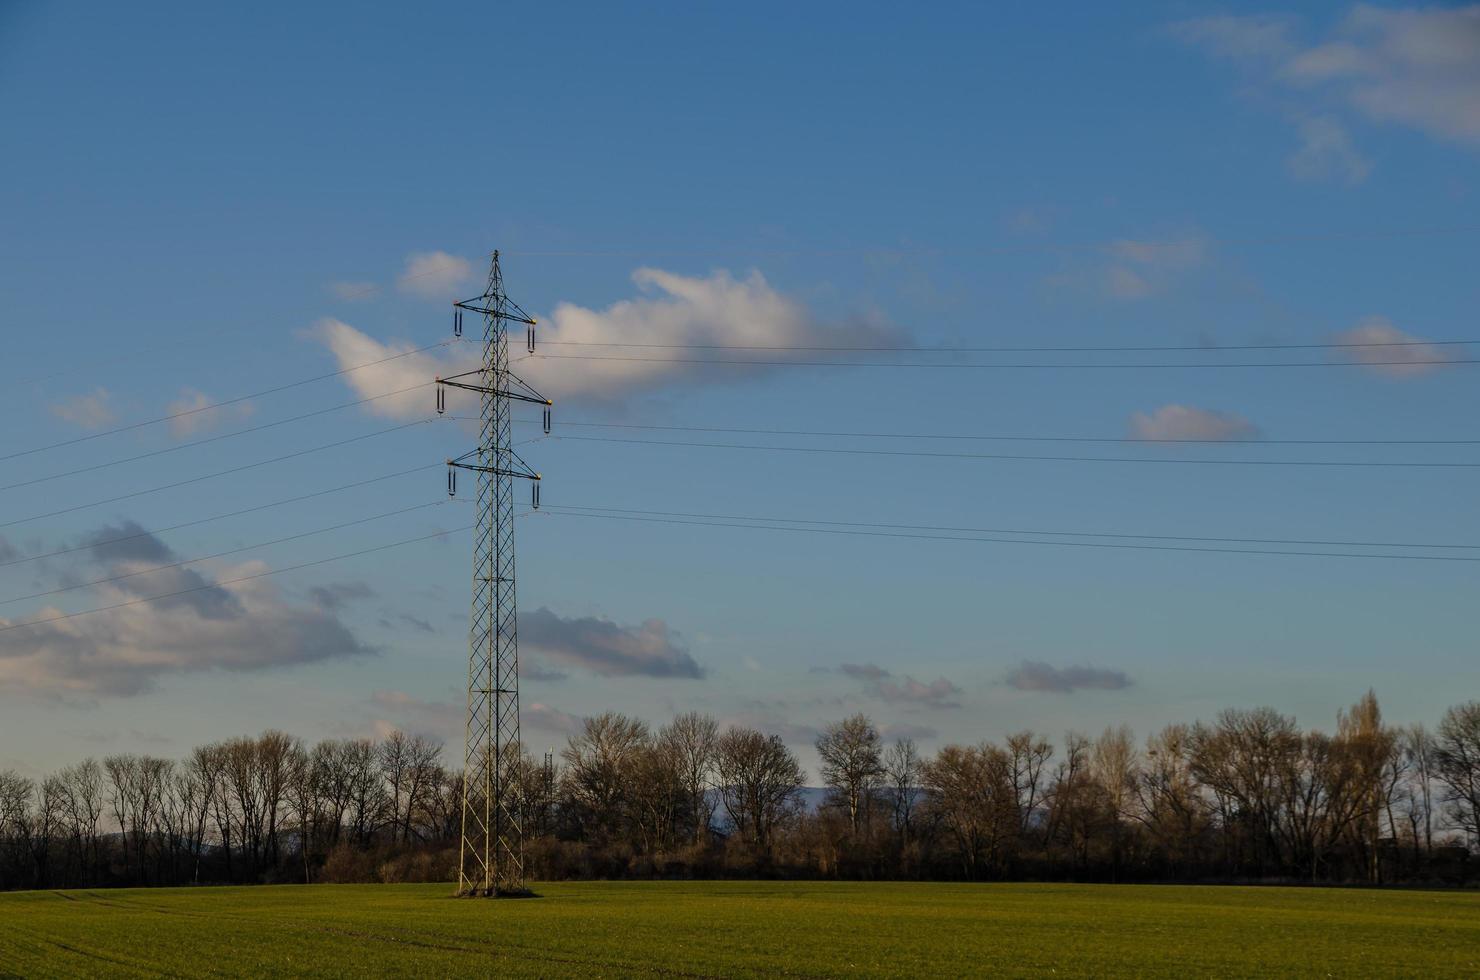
(1248, 796)
(246, 809)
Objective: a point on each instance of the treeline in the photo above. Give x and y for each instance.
(1249, 796)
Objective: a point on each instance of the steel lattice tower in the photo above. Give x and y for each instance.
(491, 861)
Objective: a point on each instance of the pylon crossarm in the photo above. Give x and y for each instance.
(471, 305)
(528, 391)
(529, 470)
(497, 471)
(501, 392)
(465, 374)
(462, 463)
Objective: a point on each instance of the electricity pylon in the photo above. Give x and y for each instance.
(491, 860)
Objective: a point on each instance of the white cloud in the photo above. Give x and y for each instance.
(1414, 357)
(435, 275)
(90, 411)
(1418, 68)
(240, 626)
(190, 413)
(686, 310)
(1183, 422)
(1326, 152)
(351, 348)
(1142, 268)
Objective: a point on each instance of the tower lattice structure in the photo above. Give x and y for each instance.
(491, 860)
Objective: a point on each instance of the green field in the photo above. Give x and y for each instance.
(743, 929)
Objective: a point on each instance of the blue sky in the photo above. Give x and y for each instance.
(201, 203)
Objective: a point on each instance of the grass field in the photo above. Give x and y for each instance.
(743, 929)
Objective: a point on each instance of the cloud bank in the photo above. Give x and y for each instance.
(1033, 675)
(240, 627)
(603, 647)
(904, 689)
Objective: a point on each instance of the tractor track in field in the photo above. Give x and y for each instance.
(103, 958)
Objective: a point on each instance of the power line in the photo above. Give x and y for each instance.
(1095, 246)
(231, 581)
(1425, 362)
(1004, 438)
(192, 341)
(225, 402)
(212, 476)
(1170, 461)
(1018, 541)
(128, 355)
(1198, 348)
(221, 517)
(216, 438)
(1322, 542)
(222, 554)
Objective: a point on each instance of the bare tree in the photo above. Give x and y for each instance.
(274, 758)
(82, 795)
(1071, 799)
(1115, 767)
(1368, 746)
(1418, 752)
(16, 792)
(657, 794)
(44, 825)
(758, 782)
(693, 738)
(331, 776)
(409, 765)
(852, 766)
(138, 786)
(1171, 805)
(1244, 760)
(599, 762)
(970, 790)
(208, 766)
(305, 805)
(1457, 764)
(902, 768)
(1030, 755)
(366, 790)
